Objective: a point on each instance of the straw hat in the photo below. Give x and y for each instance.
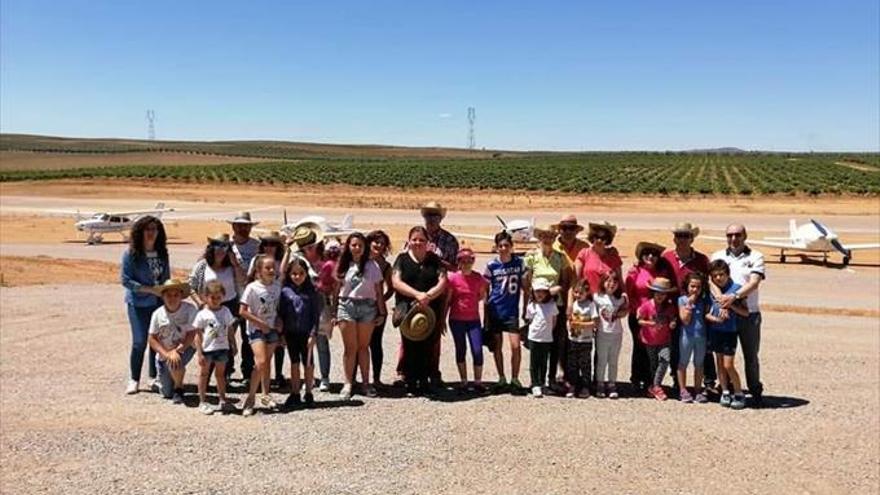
(541, 284)
(306, 235)
(605, 226)
(662, 284)
(220, 239)
(567, 221)
(171, 284)
(242, 217)
(433, 207)
(642, 246)
(686, 228)
(548, 231)
(272, 236)
(418, 324)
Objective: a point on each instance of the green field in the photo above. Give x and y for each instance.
(644, 173)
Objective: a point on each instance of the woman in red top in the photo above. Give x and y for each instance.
(648, 266)
(600, 258)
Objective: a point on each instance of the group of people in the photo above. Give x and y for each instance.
(256, 300)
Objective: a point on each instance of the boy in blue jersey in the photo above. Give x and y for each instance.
(504, 274)
(723, 335)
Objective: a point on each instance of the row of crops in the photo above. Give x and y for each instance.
(647, 173)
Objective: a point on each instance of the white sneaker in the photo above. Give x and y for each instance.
(132, 387)
(324, 386)
(537, 392)
(247, 411)
(155, 385)
(345, 393)
(206, 409)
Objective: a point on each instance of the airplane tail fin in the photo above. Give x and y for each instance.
(792, 229)
(347, 222)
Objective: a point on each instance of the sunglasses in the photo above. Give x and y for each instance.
(652, 254)
(683, 236)
(734, 234)
(432, 216)
(568, 228)
(602, 237)
(219, 245)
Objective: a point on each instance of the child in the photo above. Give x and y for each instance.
(213, 343)
(541, 313)
(612, 306)
(466, 289)
(300, 313)
(171, 336)
(723, 335)
(656, 317)
(581, 328)
(692, 312)
(502, 309)
(259, 307)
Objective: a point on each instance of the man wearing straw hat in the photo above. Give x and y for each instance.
(245, 249)
(684, 259)
(568, 241)
(440, 240)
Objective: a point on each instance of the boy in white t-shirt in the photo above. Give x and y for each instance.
(213, 341)
(171, 336)
(541, 314)
(581, 328)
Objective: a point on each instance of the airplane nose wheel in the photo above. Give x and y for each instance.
(846, 260)
(782, 257)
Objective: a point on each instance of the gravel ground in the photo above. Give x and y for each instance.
(67, 427)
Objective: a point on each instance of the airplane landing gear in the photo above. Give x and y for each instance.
(94, 239)
(782, 256)
(846, 259)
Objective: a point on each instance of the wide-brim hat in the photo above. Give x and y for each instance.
(272, 236)
(642, 246)
(604, 226)
(418, 324)
(541, 284)
(686, 228)
(306, 234)
(170, 284)
(567, 221)
(243, 217)
(548, 231)
(220, 239)
(433, 207)
(662, 284)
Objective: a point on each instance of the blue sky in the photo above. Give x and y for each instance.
(796, 75)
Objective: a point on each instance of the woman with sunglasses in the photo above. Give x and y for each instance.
(648, 265)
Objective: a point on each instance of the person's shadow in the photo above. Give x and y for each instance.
(782, 402)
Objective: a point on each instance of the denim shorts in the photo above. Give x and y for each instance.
(723, 343)
(691, 345)
(356, 310)
(270, 337)
(496, 325)
(166, 382)
(218, 356)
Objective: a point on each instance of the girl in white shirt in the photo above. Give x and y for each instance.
(259, 307)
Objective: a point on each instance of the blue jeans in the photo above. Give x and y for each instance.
(691, 345)
(139, 319)
(166, 382)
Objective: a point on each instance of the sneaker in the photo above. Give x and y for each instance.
(584, 393)
(177, 398)
(155, 385)
(267, 402)
(537, 392)
(370, 391)
(502, 384)
(569, 394)
(701, 398)
(658, 393)
(600, 390)
(515, 384)
(206, 409)
(309, 399)
(612, 392)
(292, 400)
(725, 399)
(738, 402)
(324, 386)
(132, 387)
(247, 411)
(345, 393)
(685, 396)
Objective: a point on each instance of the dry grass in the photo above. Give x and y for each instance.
(29, 160)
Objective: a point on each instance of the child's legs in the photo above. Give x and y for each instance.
(663, 353)
(376, 352)
(261, 362)
(573, 365)
(653, 360)
(459, 337)
(220, 375)
(294, 351)
(699, 358)
(722, 376)
(364, 334)
(279, 362)
(475, 339)
(348, 329)
(538, 359)
(515, 354)
(587, 365)
(603, 347)
(614, 356)
(309, 367)
(166, 383)
(559, 350)
(322, 344)
(204, 376)
(498, 353)
(731, 373)
(267, 368)
(686, 349)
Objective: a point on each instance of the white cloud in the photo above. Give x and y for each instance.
(445, 115)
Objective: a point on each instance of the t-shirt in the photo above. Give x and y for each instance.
(420, 276)
(541, 320)
(697, 326)
(361, 285)
(748, 262)
(728, 325)
(505, 284)
(214, 325)
(582, 312)
(658, 334)
(572, 251)
(697, 263)
(594, 266)
(262, 302)
(246, 252)
(171, 328)
(326, 279)
(606, 307)
(638, 279)
(299, 310)
(464, 295)
(156, 264)
(549, 268)
(225, 276)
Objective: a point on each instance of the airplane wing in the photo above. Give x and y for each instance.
(856, 247)
(750, 242)
(480, 237)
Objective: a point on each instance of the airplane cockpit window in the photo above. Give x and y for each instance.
(115, 219)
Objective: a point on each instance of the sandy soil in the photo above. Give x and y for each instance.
(17, 271)
(28, 160)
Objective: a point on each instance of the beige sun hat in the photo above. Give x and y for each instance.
(642, 246)
(662, 284)
(433, 207)
(306, 234)
(567, 221)
(593, 228)
(418, 324)
(242, 217)
(171, 284)
(546, 231)
(686, 228)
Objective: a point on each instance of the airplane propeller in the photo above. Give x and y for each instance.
(503, 223)
(845, 252)
(821, 228)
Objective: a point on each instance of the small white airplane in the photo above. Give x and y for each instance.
(812, 237)
(520, 230)
(345, 227)
(107, 223)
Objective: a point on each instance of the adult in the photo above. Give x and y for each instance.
(145, 264)
(568, 242)
(747, 270)
(639, 279)
(380, 247)
(220, 264)
(600, 258)
(683, 260)
(419, 276)
(360, 306)
(272, 245)
(440, 240)
(552, 266)
(245, 249)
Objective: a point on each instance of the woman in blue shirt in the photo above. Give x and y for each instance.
(144, 265)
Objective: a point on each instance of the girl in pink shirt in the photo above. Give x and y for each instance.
(657, 320)
(466, 289)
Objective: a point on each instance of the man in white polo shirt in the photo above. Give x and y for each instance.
(747, 270)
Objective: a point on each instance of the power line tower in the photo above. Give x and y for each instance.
(471, 116)
(151, 125)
